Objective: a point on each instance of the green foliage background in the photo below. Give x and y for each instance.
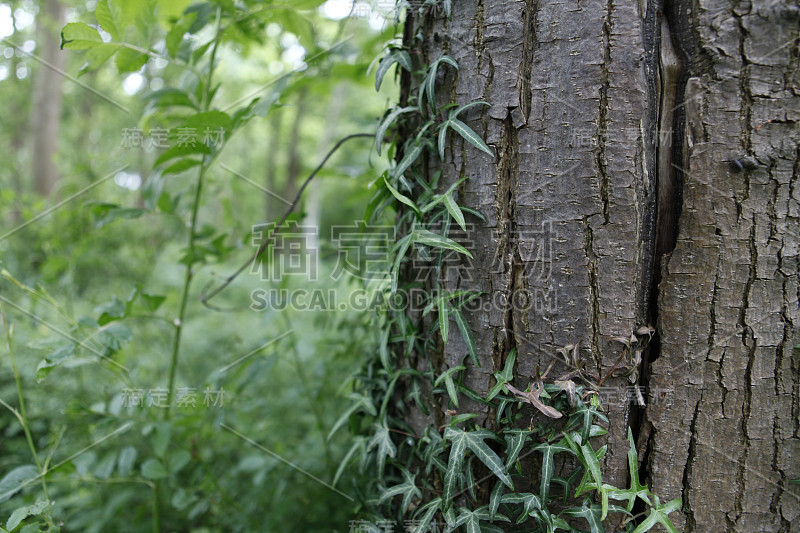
(71, 274)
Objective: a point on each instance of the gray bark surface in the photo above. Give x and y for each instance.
(728, 305)
(593, 151)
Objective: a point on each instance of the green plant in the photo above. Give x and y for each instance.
(466, 475)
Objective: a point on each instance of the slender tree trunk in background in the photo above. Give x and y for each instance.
(272, 206)
(295, 163)
(594, 142)
(47, 95)
(314, 202)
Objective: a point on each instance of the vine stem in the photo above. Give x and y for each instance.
(208, 296)
(22, 416)
(187, 280)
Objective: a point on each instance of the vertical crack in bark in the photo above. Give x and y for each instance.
(691, 524)
(747, 335)
(508, 246)
(670, 26)
(594, 296)
(602, 119)
(669, 147)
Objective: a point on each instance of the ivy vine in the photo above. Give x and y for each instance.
(436, 478)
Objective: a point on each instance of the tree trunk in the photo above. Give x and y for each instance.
(594, 143)
(47, 95)
(728, 305)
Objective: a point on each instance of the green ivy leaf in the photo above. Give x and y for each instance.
(428, 511)
(429, 238)
(360, 402)
(400, 57)
(408, 489)
(408, 160)
(636, 490)
(515, 441)
(466, 335)
(401, 197)
(494, 498)
(385, 447)
(530, 502)
(454, 211)
(589, 512)
(659, 514)
(548, 466)
(469, 135)
(388, 121)
(429, 83)
(474, 440)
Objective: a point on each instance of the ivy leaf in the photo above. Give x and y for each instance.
(401, 197)
(383, 441)
(474, 440)
(471, 519)
(457, 450)
(592, 513)
(494, 498)
(530, 502)
(444, 317)
(361, 402)
(408, 489)
(466, 334)
(469, 135)
(360, 445)
(548, 466)
(660, 514)
(401, 57)
(505, 376)
(388, 121)
(636, 490)
(408, 160)
(515, 441)
(429, 83)
(585, 416)
(454, 211)
(448, 380)
(592, 464)
(429, 238)
(428, 510)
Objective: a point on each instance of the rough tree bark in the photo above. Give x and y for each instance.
(619, 130)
